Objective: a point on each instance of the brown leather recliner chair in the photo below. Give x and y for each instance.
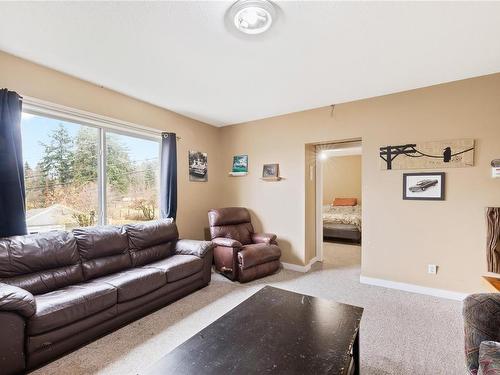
(240, 253)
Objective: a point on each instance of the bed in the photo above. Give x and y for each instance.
(342, 223)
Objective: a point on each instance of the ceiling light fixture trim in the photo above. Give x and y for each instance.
(252, 16)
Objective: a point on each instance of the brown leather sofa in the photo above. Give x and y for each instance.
(60, 290)
(240, 253)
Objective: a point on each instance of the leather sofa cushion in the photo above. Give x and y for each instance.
(178, 267)
(231, 222)
(40, 263)
(255, 254)
(151, 254)
(152, 240)
(151, 233)
(240, 232)
(260, 270)
(103, 250)
(102, 241)
(70, 304)
(228, 216)
(134, 283)
(46, 339)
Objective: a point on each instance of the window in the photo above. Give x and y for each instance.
(132, 169)
(70, 182)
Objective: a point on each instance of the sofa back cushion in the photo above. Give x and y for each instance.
(103, 250)
(40, 263)
(150, 241)
(231, 222)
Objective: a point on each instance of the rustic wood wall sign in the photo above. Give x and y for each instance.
(428, 155)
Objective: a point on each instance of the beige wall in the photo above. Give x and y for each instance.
(341, 178)
(195, 198)
(399, 237)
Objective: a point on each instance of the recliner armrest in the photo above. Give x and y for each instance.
(17, 300)
(267, 238)
(193, 247)
(226, 242)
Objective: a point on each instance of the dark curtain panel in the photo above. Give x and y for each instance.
(12, 194)
(168, 176)
(493, 246)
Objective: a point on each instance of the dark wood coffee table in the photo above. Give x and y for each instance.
(272, 332)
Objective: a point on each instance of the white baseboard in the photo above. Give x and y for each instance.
(295, 267)
(441, 293)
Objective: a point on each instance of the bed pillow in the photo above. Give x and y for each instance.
(345, 202)
(489, 358)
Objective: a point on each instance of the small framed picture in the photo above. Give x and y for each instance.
(240, 164)
(198, 166)
(424, 186)
(270, 171)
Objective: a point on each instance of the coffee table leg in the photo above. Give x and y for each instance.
(355, 353)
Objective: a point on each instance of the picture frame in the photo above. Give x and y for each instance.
(240, 164)
(271, 171)
(198, 166)
(428, 186)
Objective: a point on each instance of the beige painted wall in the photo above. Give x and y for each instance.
(341, 178)
(399, 237)
(195, 198)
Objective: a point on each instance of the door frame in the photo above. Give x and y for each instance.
(319, 194)
(319, 209)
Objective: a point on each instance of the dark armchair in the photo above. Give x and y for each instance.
(240, 253)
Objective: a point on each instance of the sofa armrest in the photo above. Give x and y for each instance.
(17, 300)
(267, 238)
(481, 314)
(193, 247)
(226, 242)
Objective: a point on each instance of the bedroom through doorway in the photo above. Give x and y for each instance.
(339, 202)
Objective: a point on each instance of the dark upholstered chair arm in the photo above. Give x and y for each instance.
(482, 323)
(17, 300)
(193, 247)
(226, 242)
(268, 238)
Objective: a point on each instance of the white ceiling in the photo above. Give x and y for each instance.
(184, 57)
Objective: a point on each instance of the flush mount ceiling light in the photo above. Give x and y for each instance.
(252, 16)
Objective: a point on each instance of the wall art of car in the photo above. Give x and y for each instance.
(422, 185)
(198, 168)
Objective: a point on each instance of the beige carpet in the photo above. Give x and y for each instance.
(401, 333)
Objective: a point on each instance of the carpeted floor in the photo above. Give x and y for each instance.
(401, 333)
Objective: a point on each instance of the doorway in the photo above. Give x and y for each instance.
(339, 203)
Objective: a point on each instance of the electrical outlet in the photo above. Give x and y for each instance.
(432, 269)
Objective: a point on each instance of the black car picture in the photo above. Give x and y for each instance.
(198, 166)
(422, 185)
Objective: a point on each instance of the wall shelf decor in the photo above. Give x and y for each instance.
(240, 164)
(271, 170)
(271, 179)
(237, 174)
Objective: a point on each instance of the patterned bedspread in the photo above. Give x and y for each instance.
(342, 215)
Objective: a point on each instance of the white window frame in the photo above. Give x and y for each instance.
(103, 124)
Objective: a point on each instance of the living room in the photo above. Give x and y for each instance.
(200, 115)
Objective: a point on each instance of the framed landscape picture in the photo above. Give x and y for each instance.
(240, 164)
(424, 186)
